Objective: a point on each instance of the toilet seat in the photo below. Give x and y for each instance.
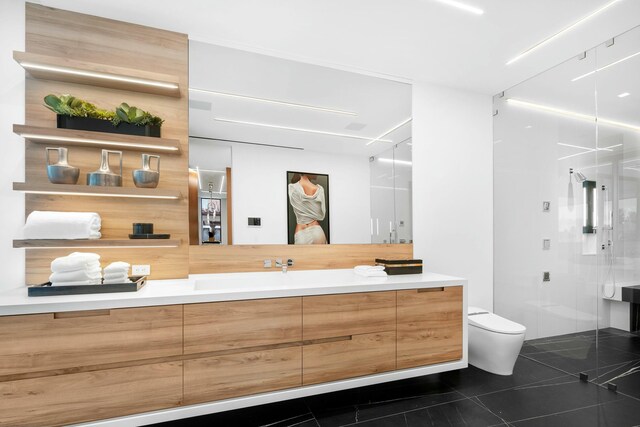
(486, 320)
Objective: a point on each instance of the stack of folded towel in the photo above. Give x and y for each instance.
(116, 272)
(62, 225)
(76, 269)
(370, 270)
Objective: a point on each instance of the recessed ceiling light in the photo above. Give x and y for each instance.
(528, 127)
(605, 67)
(561, 32)
(274, 101)
(624, 95)
(462, 6)
(398, 126)
(572, 114)
(321, 132)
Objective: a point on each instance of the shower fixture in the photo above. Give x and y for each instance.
(579, 177)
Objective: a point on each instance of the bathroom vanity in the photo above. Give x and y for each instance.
(217, 342)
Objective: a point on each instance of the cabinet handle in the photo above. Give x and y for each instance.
(85, 313)
(327, 340)
(441, 289)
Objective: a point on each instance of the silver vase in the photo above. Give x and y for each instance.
(147, 177)
(105, 176)
(61, 172)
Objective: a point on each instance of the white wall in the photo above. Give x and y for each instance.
(259, 190)
(453, 186)
(12, 158)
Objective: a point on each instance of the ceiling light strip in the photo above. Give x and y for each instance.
(396, 127)
(462, 6)
(321, 132)
(561, 32)
(105, 76)
(274, 101)
(575, 79)
(572, 114)
(96, 142)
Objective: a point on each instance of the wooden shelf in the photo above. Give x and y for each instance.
(95, 191)
(85, 138)
(88, 73)
(95, 243)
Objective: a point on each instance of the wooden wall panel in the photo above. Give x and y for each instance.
(88, 38)
(243, 258)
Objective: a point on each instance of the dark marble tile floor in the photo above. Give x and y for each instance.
(544, 390)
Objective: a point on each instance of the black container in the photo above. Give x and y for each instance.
(100, 125)
(400, 266)
(142, 228)
(45, 289)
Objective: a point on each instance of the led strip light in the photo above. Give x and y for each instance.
(74, 193)
(398, 126)
(96, 141)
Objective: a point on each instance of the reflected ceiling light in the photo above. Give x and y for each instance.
(587, 150)
(398, 126)
(462, 6)
(561, 32)
(605, 67)
(267, 125)
(397, 162)
(104, 76)
(624, 95)
(274, 101)
(572, 114)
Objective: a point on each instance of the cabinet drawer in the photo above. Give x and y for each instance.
(429, 326)
(240, 324)
(327, 316)
(241, 374)
(349, 357)
(73, 398)
(41, 342)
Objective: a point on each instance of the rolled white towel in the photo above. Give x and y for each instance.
(113, 281)
(117, 267)
(368, 268)
(74, 261)
(72, 276)
(371, 273)
(78, 282)
(62, 225)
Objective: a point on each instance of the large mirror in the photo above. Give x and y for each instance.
(287, 152)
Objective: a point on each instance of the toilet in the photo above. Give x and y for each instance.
(494, 342)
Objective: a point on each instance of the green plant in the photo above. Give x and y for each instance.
(136, 116)
(68, 105)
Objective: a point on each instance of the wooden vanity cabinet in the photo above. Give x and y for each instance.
(429, 326)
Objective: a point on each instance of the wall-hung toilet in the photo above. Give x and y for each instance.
(494, 342)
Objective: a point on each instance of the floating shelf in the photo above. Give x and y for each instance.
(88, 73)
(85, 138)
(94, 191)
(95, 243)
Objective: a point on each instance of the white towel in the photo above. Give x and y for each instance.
(116, 276)
(368, 268)
(112, 281)
(74, 261)
(62, 225)
(117, 267)
(72, 276)
(78, 283)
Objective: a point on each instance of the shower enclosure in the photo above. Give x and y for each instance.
(566, 196)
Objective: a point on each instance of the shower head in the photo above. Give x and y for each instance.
(579, 177)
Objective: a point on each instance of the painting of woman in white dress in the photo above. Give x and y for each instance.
(308, 208)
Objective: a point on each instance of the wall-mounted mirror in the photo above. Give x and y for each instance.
(287, 152)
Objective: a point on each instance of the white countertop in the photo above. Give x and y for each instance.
(223, 287)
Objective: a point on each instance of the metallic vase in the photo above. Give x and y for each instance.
(61, 172)
(147, 177)
(105, 176)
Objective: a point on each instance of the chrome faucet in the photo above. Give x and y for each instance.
(284, 265)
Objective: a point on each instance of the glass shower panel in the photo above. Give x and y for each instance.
(382, 171)
(618, 176)
(402, 192)
(545, 165)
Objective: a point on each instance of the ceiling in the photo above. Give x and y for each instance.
(408, 39)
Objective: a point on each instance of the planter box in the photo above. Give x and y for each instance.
(99, 125)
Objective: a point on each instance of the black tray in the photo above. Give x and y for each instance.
(400, 266)
(45, 289)
(149, 236)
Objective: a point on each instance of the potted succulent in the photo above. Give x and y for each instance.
(75, 113)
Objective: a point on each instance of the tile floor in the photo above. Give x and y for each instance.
(543, 391)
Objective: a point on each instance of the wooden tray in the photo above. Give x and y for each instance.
(45, 289)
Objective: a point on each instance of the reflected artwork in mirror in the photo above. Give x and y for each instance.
(256, 119)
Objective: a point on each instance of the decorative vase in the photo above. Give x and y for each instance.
(147, 177)
(105, 176)
(61, 172)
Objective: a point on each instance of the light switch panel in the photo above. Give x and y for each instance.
(546, 244)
